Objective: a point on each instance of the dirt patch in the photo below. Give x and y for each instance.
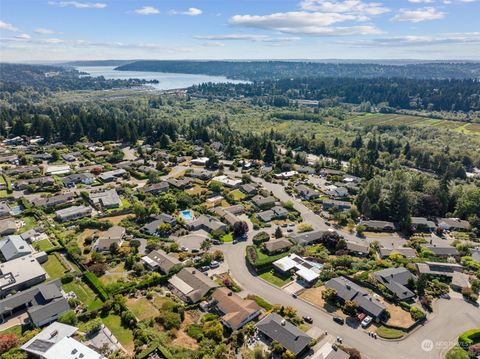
(314, 296)
(182, 338)
(115, 219)
(398, 316)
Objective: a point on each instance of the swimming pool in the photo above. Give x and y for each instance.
(187, 215)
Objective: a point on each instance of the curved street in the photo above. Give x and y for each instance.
(451, 317)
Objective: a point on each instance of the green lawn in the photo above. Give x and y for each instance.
(124, 335)
(53, 267)
(84, 294)
(43, 245)
(457, 353)
(227, 238)
(17, 330)
(272, 277)
(30, 222)
(238, 195)
(389, 333)
(142, 308)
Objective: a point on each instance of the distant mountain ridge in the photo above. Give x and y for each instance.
(263, 70)
(98, 63)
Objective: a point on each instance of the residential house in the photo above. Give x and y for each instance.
(200, 174)
(327, 172)
(207, 223)
(114, 234)
(378, 226)
(7, 226)
(22, 273)
(396, 281)
(235, 311)
(39, 182)
(276, 329)
(336, 192)
(56, 341)
(180, 183)
(358, 249)
(337, 205)
(349, 291)
(191, 285)
(307, 193)
(276, 212)
(264, 202)
(248, 189)
(4, 210)
(285, 175)
(277, 246)
(227, 181)
(307, 272)
(156, 188)
(200, 161)
(76, 178)
(307, 238)
(106, 199)
(330, 351)
(439, 268)
(111, 176)
(454, 224)
(443, 251)
(421, 224)
(44, 303)
(13, 246)
(22, 169)
(53, 201)
(161, 261)
(72, 213)
(407, 252)
(151, 228)
(57, 170)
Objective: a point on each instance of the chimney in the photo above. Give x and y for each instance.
(283, 322)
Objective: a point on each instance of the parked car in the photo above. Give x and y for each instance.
(366, 322)
(214, 264)
(339, 320)
(308, 319)
(204, 268)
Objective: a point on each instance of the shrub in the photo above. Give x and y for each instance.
(96, 285)
(469, 337)
(260, 238)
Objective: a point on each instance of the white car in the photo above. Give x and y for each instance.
(366, 322)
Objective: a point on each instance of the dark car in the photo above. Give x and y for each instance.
(308, 320)
(339, 320)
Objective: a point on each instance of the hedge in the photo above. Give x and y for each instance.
(163, 351)
(261, 260)
(96, 285)
(468, 338)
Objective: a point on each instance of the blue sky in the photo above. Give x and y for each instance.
(44, 30)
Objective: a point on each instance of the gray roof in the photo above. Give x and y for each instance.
(277, 244)
(407, 252)
(192, 283)
(162, 260)
(40, 313)
(358, 247)
(396, 279)
(378, 224)
(443, 250)
(107, 198)
(284, 332)
(53, 200)
(261, 201)
(207, 222)
(156, 187)
(13, 247)
(453, 223)
(307, 237)
(348, 290)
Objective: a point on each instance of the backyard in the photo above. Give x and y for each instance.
(272, 277)
(124, 335)
(142, 308)
(54, 267)
(83, 293)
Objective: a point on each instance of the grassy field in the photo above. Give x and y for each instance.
(227, 238)
(142, 308)
(457, 353)
(124, 335)
(389, 333)
(30, 222)
(16, 329)
(272, 277)
(53, 267)
(84, 294)
(43, 245)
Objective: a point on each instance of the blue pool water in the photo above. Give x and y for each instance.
(187, 215)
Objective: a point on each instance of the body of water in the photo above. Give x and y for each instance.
(166, 81)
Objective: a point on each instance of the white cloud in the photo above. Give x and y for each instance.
(7, 26)
(346, 6)
(191, 11)
(316, 23)
(147, 10)
(419, 15)
(421, 1)
(43, 31)
(421, 40)
(245, 37)
(23, 37)
(53, 41)
(213, 44)
(79, 5)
